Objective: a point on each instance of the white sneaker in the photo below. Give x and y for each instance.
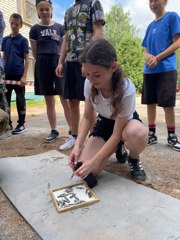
(70, 142)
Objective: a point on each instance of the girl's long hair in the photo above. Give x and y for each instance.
(101, 52)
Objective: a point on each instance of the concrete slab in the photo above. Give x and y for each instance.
(126, 210)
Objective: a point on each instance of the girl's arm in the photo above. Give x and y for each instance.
(62, 57)
(34, 48)
(85, 124)
(84, 128)
(107, 149)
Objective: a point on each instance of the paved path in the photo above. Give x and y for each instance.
(125, 211)
(146, 207)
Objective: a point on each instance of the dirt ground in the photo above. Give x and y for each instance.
(162, 164)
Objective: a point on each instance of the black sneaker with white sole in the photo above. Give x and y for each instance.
(137, 170)
(52, 137)
(152, 139)
(18, 129)
(173, 142)
(121, 153)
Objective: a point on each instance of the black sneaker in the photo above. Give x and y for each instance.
(19, 129)
(152, 139)
(121, 153)
(137, 171)
(173, 142)
(52, 137)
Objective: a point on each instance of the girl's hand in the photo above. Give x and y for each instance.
(74, 157)
(86, 168)
(59, 70)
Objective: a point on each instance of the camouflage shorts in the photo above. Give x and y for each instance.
(2, 75)
(3, 102)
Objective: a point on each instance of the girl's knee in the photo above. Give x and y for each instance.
(137, 135)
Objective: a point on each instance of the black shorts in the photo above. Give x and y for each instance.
(16, 77)
(74, 82)
(104, 126)
(46, 82)
(160, 89)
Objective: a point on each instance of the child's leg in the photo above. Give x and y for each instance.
(135, 137)
(8, 98)
(20, 103)
(51, 111)
(92, 146)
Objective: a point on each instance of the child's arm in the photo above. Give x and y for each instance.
(3, 58)
(26, 66)
(62, 57)
(34, 48)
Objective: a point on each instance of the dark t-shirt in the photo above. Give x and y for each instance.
(14, 49)
(78, 24)
(49, 38)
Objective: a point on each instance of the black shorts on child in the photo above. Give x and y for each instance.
(160, 89)
(46, 81)
(104, 126)
(74, 82)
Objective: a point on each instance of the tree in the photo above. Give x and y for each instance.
(130, 57)
(118, 25)
(122, 34)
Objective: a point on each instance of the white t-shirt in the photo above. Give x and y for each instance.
(103, 105)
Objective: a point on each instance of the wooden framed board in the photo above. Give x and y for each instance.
(73, 196)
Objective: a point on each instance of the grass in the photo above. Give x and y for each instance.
(30, 103)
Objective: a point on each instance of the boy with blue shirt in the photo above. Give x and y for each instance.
(16, 61)
(161, 40)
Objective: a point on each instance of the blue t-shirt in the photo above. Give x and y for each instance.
(159, 36)
(49, 38)
(14, 49)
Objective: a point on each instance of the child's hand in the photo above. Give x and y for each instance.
(74, 157)
(86, 168)
(59, 70)
(152, 62)
(23, 81)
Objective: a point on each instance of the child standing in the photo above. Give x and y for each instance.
(15, 54)
(46, 38)
(161, 40)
